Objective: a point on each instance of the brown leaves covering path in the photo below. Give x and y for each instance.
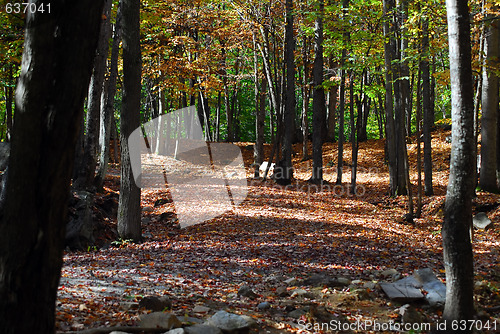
(277, 233)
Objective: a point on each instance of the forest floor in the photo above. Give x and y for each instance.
(273, 242)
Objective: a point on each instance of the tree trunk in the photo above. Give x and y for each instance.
(283, 171)
(129, 206)
(86, 171)
(332, 101)
(9, 99)
(55, 73)
(260, 114)
(107, 107)
(340, 149)
(489, 108)
(389, 53)
(318, 98)
(457, 249)
(305, 99)
(427, 109)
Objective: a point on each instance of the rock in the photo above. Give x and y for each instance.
(202, 329)
(176, 331)
(264, 306)
(127, 306)
(80, 227)
(389, 273)
(337, 282)
(357, 282)
(201, 309)
(299, 292)
(159, 320)
(229, 322)
(410, 315)
(361, 294)
(481, 221)
(370, 285)
(282, 291)
(118, 332)
(147, 209)
(155, 303)
(192, 321)
(405, 290)
(317, 280)
(296, 314)
(436, 290)
(246, 291)
(408, 289)
(291, 281)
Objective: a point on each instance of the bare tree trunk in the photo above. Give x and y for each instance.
(318, 98)
(389, 53)
(107, 106)
(305, 99)
(86, 171)
(55, 73)
(457, 248)
(489, 108)
(284, 171)
(427, 108)
(129, 205)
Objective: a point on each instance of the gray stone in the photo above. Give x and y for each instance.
(291, 281)
(246, 291)
(127, 306)
(405, 290)
(155, 303)
(481, 221)
(299, 292)
(202, 329)
(201, 309)
(264, 306)
(436, 290)
(176, 331)
(147, 209)
(118, 332)
(296, 313)
(229, 322)
(192, 321)
(338, 282)
(361, 294)
(410, 315)
(370, 285)
(389, 273)
(282, 291)
(159, 320)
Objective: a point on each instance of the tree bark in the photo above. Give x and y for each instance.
(86, 171)
(389, 50)
(129, 208)
(56, 69)
(340, 148)
(457, 249)
(428, 110)
(318, 98)
(107, 107)
(489, 108)
(284, 171)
